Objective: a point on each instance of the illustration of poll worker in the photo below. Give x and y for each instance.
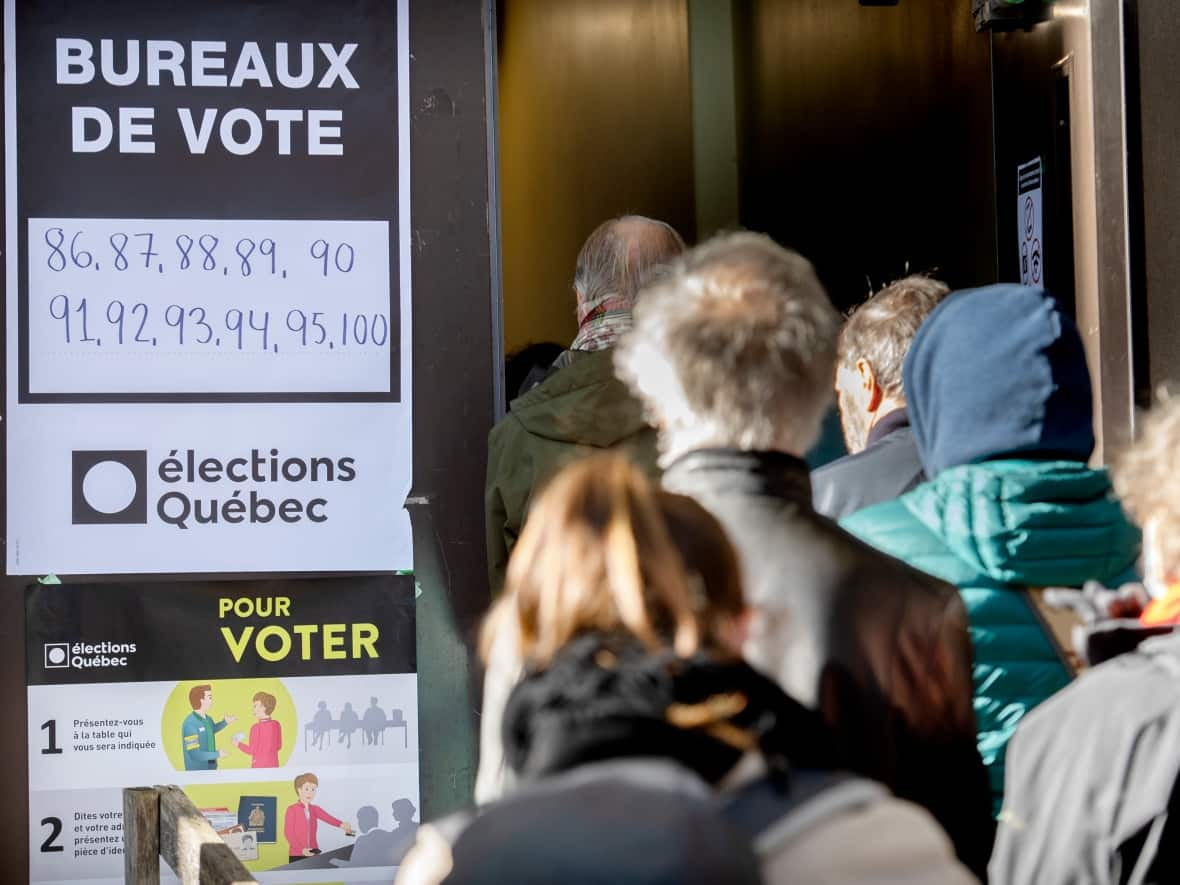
(198, 731)
(299, 826)
(266, 735)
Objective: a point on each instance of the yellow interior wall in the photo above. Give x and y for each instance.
(595, 121)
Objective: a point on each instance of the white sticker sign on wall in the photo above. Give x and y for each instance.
(208, 311)
(1030, 222)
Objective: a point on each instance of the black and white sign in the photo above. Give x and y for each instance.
(208, 286)
(242, 694)
(1030, 221)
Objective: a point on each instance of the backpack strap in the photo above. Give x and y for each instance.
(769, 813)
(1058, 625)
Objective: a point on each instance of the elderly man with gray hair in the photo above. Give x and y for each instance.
(581, 407)
(883, 459)
(732, 352)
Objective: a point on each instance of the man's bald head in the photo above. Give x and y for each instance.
(617, 259)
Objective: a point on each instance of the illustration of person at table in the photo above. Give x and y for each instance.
(349, 722)
(266, 735)
(373, 722)
(299, 826)
(321, 724)
(198, 732)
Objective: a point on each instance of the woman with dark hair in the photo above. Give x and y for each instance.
(634, 713)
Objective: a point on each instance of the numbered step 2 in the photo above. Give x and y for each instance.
(75, 835)
(213, 309)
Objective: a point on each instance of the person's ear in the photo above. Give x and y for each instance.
(868, 378)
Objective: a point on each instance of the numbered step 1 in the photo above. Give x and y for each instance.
(210, 308)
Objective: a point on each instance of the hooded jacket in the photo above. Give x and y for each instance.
(579, 410)
(999, 398)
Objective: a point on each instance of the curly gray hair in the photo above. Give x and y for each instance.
(734, 346)
(1145, 478)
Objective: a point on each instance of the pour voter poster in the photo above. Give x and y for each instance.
(208, 295)
(287, 711)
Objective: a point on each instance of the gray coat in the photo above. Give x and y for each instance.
(855, 834)
(888, 468)
(879, 649)
(1091, 775)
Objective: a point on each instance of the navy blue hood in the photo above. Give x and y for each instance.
(998, 371)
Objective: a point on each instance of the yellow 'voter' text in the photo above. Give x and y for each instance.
(274, 643)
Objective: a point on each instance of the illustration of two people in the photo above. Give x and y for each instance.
(299, 825)
(382, 848)
(199, 730)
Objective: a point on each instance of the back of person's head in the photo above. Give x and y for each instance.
(998, 372)
(606, 551)
(1147, 480)
(367, 817)
(403, 811)
(734, 347)
(880, 330)
(618, 257)
(873, 344)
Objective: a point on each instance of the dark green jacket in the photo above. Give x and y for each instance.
(994, 529)
(579, 410)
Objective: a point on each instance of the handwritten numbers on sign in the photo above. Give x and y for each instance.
(208, 245)
(245, 249)
(119, 242)
(133, 304)
(194, 324)
(184, 243)
(147, 253)
(174, 317)
(267, 248)
(55, 238)
(115, 314)
(343, 258)
(196, 247)
(264, 318)
(233, 323)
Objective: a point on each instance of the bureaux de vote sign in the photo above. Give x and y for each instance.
(207, 286)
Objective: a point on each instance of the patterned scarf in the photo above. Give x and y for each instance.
(603, 324)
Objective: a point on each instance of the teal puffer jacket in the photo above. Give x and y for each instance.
(994, 529)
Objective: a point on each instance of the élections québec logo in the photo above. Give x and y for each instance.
(87, 655)
(110, 487)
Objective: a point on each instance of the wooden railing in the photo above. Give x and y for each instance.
(161, 822)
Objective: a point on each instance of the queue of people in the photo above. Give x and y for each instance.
(695, 674)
